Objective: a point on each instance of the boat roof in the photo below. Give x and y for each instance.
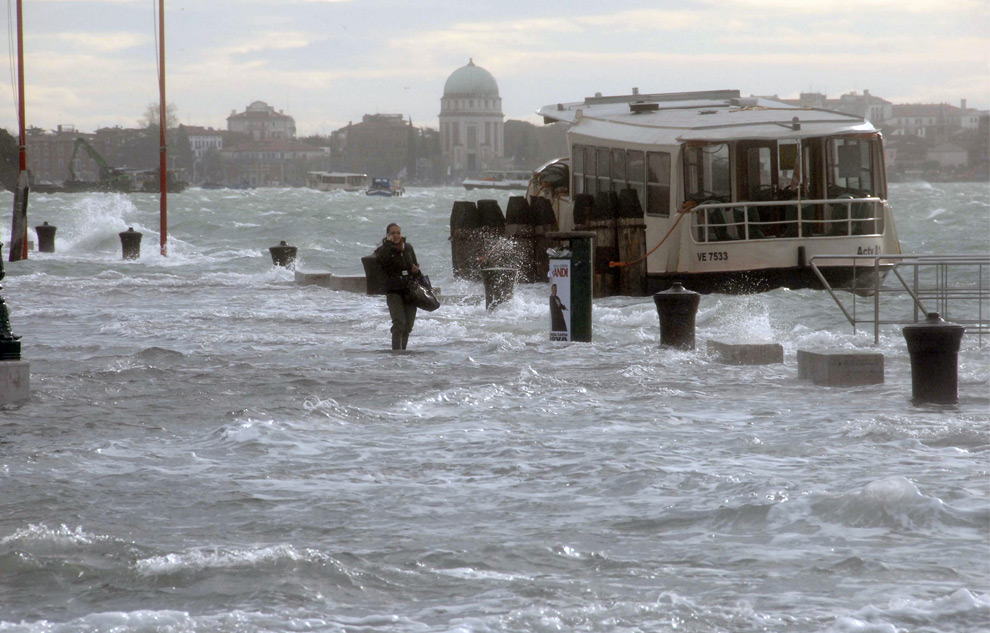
(712, 116)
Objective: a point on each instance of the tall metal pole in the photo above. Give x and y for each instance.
(18, 233)
(163, 167)
(22, 138)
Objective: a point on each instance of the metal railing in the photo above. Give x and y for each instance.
(955, 286)
(828, 217)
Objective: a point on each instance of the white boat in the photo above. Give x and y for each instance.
(499, 180)
(737, 194)
(336, 181)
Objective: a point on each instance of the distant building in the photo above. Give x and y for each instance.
(926, 120)
(260, 123)
(48, 153)
(381, 145)
(471, 127)
(274, 163)
(949, 155)
(866, 106)
(202, 140)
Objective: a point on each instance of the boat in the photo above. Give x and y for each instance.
(499, 180)
(734, 194)
(336, 181)
(385, 188)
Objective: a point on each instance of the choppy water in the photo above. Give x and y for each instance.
(211, 447)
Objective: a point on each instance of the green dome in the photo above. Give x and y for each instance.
(472, 81)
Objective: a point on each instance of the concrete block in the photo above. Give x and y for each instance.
(840, 368)
(326, 279)
(746, 353)
(15, 381)
(349, 283)
(313, 278)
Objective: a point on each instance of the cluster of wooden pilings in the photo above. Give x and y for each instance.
(618, 222)
(481, 237)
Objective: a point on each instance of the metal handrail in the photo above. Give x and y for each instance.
(962, 303)
(833, 225)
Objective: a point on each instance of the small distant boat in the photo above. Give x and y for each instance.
(384, 188)
(499, 180)
(336, 181)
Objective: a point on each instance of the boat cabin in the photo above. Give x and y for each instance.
(759, 177)
(336, 181)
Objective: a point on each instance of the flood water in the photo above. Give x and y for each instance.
(210, 446)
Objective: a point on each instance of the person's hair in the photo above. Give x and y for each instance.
(389, 227)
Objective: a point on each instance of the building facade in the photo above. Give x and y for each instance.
(471, 121)
(274, 163)
(260, 123)
(381, 145)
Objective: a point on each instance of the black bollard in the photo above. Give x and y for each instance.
(46, 237)
(500, 283)
(10, 345)
(283, 255)
(677, 308)
(934, 349)
(374, 275)
(130, 242)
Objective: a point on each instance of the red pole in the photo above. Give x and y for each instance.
(22, 139)
(22, 136)
(162, 169)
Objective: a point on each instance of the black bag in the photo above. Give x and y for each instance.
(421, 293)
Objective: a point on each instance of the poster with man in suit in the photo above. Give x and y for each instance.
(560, 299)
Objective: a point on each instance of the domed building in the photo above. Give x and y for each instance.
(471, 128)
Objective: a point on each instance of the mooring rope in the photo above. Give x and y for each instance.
(686, 208)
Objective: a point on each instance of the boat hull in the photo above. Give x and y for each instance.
(766, 279)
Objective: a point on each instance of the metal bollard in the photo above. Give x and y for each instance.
(934, 349)
(283, 254)
(46, 237)
(500, 283)
(130, 242)
(677, 309)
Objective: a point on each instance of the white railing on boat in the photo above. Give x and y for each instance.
(955, 286)
(775, 219)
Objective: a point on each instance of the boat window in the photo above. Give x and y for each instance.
(590, 171)
(706, 173)
(658, 179)
(636, 174)
(618, 169)
(850, 167)
(577, 159)
(604, 173)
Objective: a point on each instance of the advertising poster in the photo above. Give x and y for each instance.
(560, 299)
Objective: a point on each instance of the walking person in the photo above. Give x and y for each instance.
(398, 260)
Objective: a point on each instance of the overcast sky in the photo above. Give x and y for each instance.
(92, 63)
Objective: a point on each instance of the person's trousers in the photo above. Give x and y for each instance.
(403, 316)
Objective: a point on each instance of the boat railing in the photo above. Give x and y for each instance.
(903, 289)
(715, 221)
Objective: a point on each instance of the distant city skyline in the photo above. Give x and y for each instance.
(91, 63)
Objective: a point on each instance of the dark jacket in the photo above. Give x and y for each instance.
(396, 265)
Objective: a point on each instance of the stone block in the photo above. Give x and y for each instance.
(325, 279)
(313, 278)
(840, 368)
(15, 381)
(746, 353)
